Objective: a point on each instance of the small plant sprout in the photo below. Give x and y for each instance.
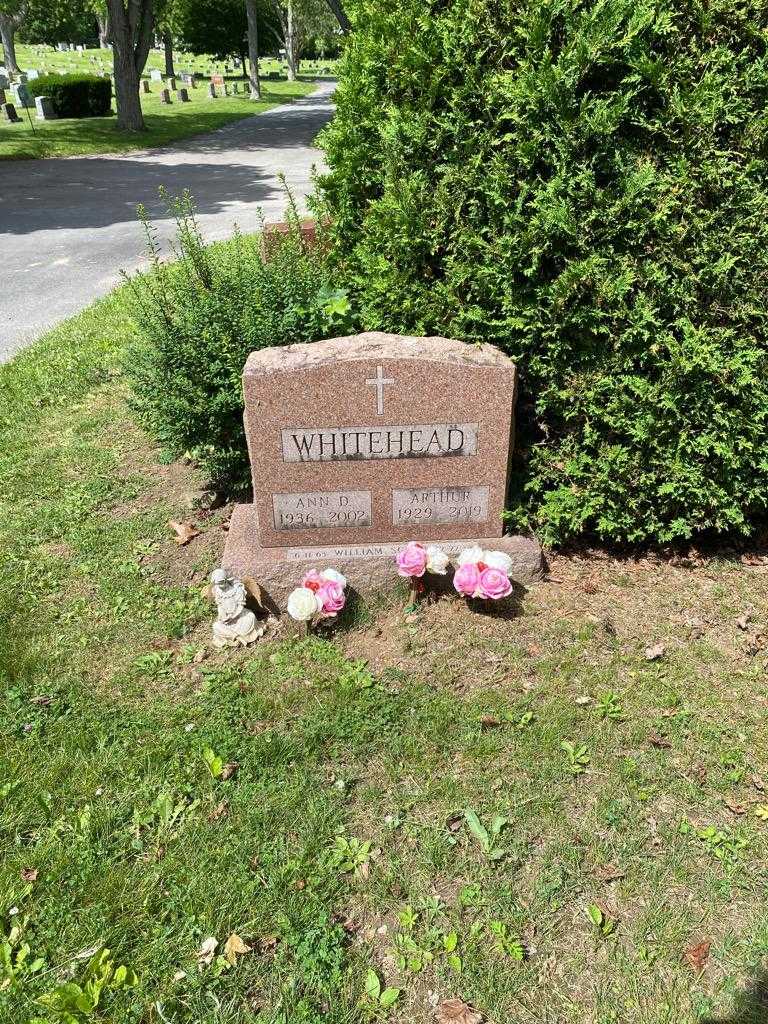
(487, 837)
(376, 997)
(506, 942)
(603, 923)
(350, 855)
(609, 707)
(577, 757)
(722, 844)
(214, 762)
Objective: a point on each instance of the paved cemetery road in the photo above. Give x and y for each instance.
(68, 226)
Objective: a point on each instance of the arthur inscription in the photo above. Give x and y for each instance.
(426, 506)
(314, 510)
(423, 441)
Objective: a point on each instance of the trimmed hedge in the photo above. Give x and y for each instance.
(585, 185)
(75, 95)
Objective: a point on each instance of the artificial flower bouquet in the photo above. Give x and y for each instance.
(322, 595)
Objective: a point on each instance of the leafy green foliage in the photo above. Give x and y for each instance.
(199, 319)
(74, 95)
(584, 185)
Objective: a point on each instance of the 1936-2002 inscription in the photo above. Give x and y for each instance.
(318, 509)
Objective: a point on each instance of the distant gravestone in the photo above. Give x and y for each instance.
(226, 89)
(21, 95)
(9, 113)
(145, 86)
(4, 81)
(236, 88)
(165, 96)
(170, 83)
(359, 445)
(211, 91)
(32, 74)
(44, 107)
(182, 95)
(188, 79)
(2, 96)
(156, 75)
(217, 80)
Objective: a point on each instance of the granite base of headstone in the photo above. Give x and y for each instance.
(359, 445)
(44, 108)
(145, 87)
(211, 91)
(9, 113)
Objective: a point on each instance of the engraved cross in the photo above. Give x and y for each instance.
(378, 382)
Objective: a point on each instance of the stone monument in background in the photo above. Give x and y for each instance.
(361, 444)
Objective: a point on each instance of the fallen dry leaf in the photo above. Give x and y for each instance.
(733, 806)
(185, 532)
(219, 811)
(659, 741)
(533, 650)
(206, 951)
(743, 620)
(42, 700)
(758, 783)
(696, 956)
(489, 722)
(456, 1011)
(582, 700)
(254, 590)
(655, 652)
(235, 947)
(29, 874)
(454, 823)
(229, 770)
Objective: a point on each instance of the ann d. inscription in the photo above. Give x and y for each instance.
(440, 505)
(424, 441)
(321, 509)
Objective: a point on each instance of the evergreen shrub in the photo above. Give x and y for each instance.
(198, 318)
(583, 183)
(75, 95)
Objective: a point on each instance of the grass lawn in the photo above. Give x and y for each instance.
(252, 833)
(77, 137)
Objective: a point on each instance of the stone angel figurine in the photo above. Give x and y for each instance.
(235, 624)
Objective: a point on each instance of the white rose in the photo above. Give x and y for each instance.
(437, 560)
(470, 555)
(334, 576)
(498, 560)
(303, 604)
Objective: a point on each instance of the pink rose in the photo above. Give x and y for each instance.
(412, 560)
(466, 580)
(331, 595)
(494, 583)
(312, 580)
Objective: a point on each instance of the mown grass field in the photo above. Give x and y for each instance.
(309, 797)
(78, 137)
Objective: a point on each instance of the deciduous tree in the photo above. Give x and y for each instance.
(132, 24)
(12, 14)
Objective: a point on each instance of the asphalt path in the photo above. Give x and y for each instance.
(69, 226)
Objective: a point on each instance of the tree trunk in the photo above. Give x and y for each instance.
(131, 39)
(253, 48)
(290, 43)
(7, 32)
(341, 16)
(104, 32)
(168, 47)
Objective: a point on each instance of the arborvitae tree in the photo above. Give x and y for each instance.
(584, 183)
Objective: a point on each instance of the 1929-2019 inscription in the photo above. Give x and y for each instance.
(318, 509)
(339, 444)
(440, 505)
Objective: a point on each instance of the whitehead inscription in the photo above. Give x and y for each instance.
(319, 509)
(424, 441)
(439, 505)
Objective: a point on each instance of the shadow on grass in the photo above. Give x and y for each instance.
(751, 1005)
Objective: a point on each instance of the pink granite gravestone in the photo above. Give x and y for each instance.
(360, 444)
